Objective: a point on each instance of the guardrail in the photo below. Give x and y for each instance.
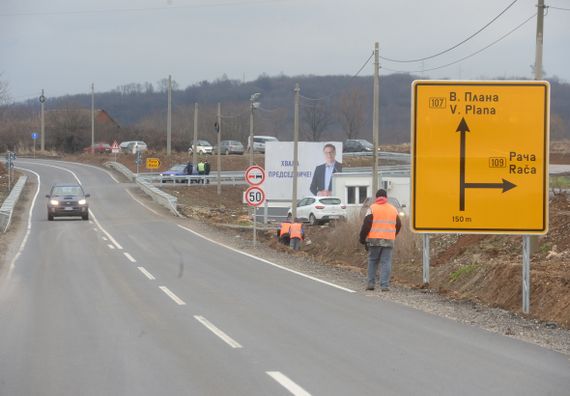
(122, 169)
(168, 201)
(233, 178)
(10, 202)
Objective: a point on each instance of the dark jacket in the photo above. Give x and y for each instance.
(207, 168)
(318, 182)
(367, 224)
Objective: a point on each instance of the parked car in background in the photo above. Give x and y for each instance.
(98, 148)
(259, 143)
(318, 210)
(202, 147)
(230, 147)
(357, 146)
(67, 200)
(136, 146)
(175, 170)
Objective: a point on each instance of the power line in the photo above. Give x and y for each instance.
(453, 47)
(468, 56)
(344, 86)
(559, 8)
(119, 10)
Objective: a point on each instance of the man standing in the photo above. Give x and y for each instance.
(321, 185)
(378, 232)
(201, 170)
(207, 170)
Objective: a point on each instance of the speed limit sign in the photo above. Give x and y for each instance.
(254, 196)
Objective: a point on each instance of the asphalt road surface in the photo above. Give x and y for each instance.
(133, 303)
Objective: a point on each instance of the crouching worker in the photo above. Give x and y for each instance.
(378, 232)
(283, 233)
(297, 235)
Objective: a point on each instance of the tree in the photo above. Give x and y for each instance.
(316, 117)
(4, 92)
(162, 85)
(350, 112)
(69, 129)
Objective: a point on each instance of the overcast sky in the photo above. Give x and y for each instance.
(64, 45)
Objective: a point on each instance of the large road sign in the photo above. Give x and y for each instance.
(480, 156)
(254, 196)
(255, 175)
(152, 163)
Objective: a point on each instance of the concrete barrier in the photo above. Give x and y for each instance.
(10, 203)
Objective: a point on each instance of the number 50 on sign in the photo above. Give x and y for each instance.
(254, 196)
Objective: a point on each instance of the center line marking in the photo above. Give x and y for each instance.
(111, 246)
(286, 382)
(146, 273)
(226, 338)
(104, 238)
(173, 296)
(131, 259)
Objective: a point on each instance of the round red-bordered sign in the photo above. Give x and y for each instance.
(254, 175)
(254, 196)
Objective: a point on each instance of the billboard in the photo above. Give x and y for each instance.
(317, 162)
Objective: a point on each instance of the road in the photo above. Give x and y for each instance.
(133, 302)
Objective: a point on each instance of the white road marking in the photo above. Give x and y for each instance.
(80, 164)
(104, 238)
(173, 296)
(131, 259)
(146, 273)
(286, 382)
(29, 226)
(90, 222)
(269, 262)
(140, 202)
(226, 338)
(104, 231)
(111, 246)
(95, 229)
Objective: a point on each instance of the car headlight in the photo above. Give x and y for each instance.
(82, 202)
(54, 202)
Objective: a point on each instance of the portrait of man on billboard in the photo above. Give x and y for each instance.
(321, 185)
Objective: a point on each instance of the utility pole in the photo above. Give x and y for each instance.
(295, 153)
(219, 164)
(42, 122)
(195, 141)
(92, 118)
(169, 118)
(539, 40)
(375, 120)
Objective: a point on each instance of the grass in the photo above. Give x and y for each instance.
(559, 181)
(462, 271)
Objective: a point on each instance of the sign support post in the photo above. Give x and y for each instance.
(526, 275)
(425, 240)
(254, 195)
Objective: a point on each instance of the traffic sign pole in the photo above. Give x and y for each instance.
(425, 245)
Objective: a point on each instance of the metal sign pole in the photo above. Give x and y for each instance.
(254, 226)
(526, 275)
(425, 239)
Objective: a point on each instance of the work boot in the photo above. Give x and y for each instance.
(385, 289)
(370, 286)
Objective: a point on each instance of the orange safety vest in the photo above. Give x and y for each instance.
(296, 230)
(383, 221)
(285, 229)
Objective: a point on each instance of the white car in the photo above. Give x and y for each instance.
(259, 143)
(202, 147)
(132, 146)
(317, 210)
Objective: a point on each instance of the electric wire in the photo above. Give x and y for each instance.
(344, 85)
(559, 8)
(450, 48)
(468, 56)
(126, 10)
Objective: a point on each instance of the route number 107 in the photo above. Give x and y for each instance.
(437, 103)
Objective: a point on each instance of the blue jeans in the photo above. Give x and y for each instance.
(382, 255)
(295, 243)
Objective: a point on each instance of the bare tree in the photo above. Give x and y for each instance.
(350, 112)
(4, 92)
(317, 118)
(69, 128)
(162, 85)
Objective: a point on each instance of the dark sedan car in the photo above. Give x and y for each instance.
(357, 146)
(176, 170)
(67, 200)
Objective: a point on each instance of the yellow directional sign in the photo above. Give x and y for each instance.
(152, 163)
(480, 156)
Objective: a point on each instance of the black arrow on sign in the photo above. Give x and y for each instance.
(505, 185)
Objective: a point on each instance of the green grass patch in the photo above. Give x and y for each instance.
(559, 181)
(462, 271)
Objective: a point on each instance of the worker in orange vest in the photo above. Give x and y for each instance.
(283, 233)
(297, 235)
(377, 234)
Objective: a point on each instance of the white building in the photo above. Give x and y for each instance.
(354, 187)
